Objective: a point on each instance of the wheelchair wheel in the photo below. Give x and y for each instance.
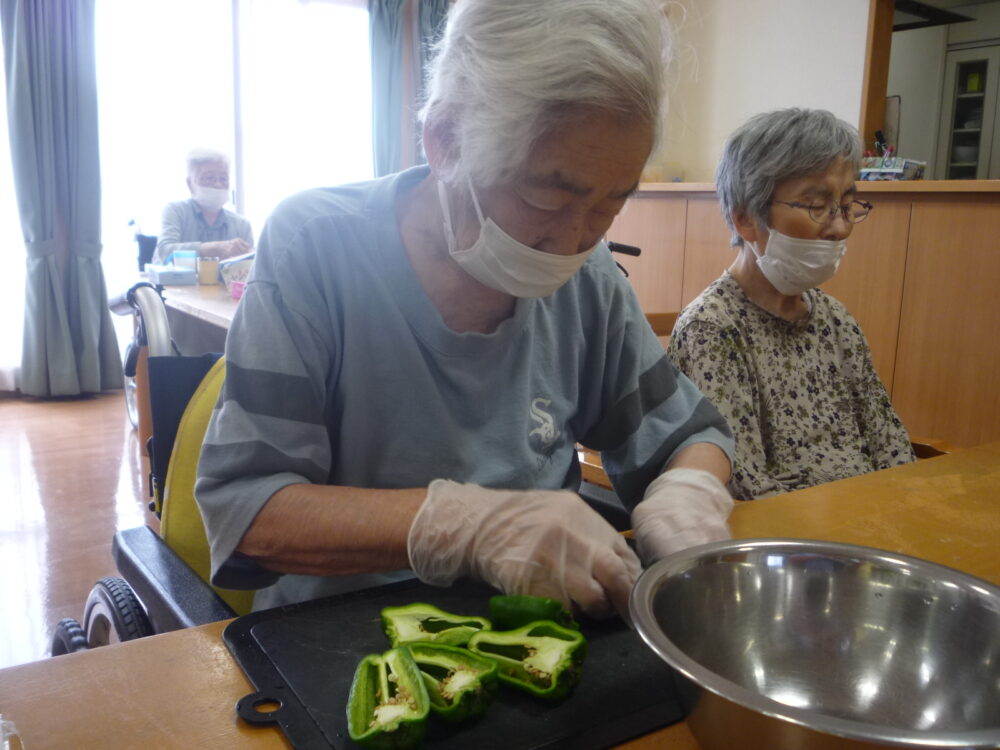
(113, 614)
(130, 367)
(132, 401)
(68, 637)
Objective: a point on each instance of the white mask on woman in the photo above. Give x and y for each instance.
(793, 265)
(209, 198)
(500, 262)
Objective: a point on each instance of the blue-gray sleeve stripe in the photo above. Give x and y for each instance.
(264, 458)
(289, 397)
(656, 386)
(704, 421)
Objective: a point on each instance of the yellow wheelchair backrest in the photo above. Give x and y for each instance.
(181, 525)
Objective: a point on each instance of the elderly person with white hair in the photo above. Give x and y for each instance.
(202, 224)
(415, 358)
(786, 363)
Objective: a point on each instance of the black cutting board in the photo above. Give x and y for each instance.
(302, 657)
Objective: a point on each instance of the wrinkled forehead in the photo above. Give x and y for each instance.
(836, 180)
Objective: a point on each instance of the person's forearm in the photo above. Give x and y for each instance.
(705, 456)
(209, 249)
(224, 248)
(322, 530)
(216, 248)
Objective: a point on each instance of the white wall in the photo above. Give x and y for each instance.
(916, 75)
(741, 57)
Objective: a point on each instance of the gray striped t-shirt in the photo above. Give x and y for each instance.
(341, 371)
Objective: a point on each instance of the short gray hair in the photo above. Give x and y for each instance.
(507, 72)
(772, 147)
(198, 157)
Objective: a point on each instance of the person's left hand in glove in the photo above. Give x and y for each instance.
(685, 506)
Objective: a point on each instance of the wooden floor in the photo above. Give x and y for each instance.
(70, 476)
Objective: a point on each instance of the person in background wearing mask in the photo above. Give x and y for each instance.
(415, 358)
(200, 223)
(785, 363)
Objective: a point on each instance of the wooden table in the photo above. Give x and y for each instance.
(211, 303)
(199, 316)
(178, 690)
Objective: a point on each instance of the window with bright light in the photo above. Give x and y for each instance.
(305, 99)
(166, 84)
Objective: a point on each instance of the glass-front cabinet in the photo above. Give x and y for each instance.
(967, 148)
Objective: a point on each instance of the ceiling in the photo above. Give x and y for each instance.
(955, 3)
(915, 14)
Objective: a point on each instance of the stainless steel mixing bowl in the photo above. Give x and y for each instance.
(782, 643)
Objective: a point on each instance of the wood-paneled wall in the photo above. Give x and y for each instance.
(948, 358)
(921, 275)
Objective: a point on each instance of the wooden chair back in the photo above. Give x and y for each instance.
(930, 447)
(662, 323)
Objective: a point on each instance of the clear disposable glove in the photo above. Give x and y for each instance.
(681, 508)
(540, 542)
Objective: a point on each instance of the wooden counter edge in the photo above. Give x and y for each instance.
(885, 186)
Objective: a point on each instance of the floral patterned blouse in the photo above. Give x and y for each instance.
(803, 399)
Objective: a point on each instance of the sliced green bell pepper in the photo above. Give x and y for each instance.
(425, 623)
(541, 658)
(460, 684)
(508, 612)
(388, 704)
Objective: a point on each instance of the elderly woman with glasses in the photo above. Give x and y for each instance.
(785, 363)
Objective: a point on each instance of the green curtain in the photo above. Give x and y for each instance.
(69, 340)
(385, 37)
(433, 14)
(390, 101)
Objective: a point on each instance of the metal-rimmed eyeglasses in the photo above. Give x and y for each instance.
(822, 213)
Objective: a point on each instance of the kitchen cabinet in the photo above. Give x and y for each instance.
(969, 136)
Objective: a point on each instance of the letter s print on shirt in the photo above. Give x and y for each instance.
(546, 430)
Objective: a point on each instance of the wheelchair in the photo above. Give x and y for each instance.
(164, 576)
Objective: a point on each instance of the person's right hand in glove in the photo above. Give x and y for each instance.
(541, 542)
(681, 508)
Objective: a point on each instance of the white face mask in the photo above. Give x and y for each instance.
(500, 262)
(793, 265)
(209, 198)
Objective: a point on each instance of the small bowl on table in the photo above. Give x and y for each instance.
(785, 643)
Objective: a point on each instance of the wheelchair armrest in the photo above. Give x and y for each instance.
(124, 303)
(120, 305)
(174, 595)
